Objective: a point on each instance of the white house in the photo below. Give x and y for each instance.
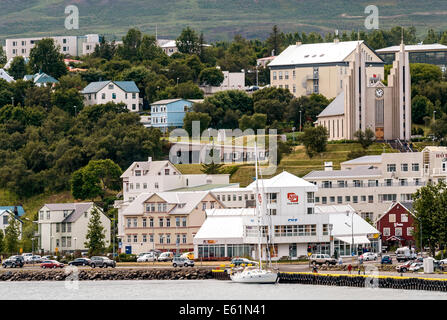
(103, 92)
(5, 219)
(64, 226)
(290, 219)
(5, 76)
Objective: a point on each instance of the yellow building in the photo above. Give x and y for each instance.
(320, 67)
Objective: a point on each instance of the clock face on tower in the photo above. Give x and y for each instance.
(379, 93)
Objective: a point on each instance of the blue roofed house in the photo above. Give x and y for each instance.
(41, 79)
(11, 212)
(102, 92)
(169, 113)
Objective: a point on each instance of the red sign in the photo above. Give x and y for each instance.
(292, 197)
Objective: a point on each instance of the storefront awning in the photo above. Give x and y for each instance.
(357, 239)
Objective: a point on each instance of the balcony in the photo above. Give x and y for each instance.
(365, 185)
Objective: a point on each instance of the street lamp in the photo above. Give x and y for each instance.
(75, 109)
(293, 129)
(434, 114)
(300, 120)
(177, 81)
(352, 229)
(12, 100)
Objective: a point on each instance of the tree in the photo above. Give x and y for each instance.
(105, 50)
(212, 168)
(430, 211)
(45, 57)
(66, 99)
(131, 45)
(12, 233)
(95, 234)
(365, 138)
(188, 90)
(148, 49)
(423, 73)
(3, 59)
(96, 179)
(2, 241)
(439, 127)
(203, 118)
(420, 108)
(211, 77)
(314, 140)
(17, 69)
(255, 121)
(188, 41)
(275, 41)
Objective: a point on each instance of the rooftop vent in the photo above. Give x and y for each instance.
(298, 43)
(328, 166)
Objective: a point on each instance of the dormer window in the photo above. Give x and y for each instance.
(167, 172)
(137, 173)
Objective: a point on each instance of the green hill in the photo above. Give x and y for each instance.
(219, 20)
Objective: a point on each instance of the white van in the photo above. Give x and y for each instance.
(405, 254)
(166, 256)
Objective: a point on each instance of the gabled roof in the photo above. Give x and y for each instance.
(20, 209)
(184, 202)
(408, 206)
(365, 160)
(4, 75)
(150, 167)
(11, 213)
(77, 209)
(127, 86)
(168, 101)
(284, 179)
(314, 53)
(335, 108)
(40, 78)
(414, 48)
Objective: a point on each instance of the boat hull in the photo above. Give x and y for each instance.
(254, 277)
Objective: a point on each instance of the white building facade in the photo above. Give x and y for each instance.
(291, 221)
(65, 225)
(370, 184)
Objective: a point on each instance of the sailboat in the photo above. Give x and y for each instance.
(256, 274)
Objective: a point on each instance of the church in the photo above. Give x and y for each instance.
(353, 74)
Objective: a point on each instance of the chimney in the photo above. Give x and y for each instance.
(149, 159)
(328, 166)
(298, 43)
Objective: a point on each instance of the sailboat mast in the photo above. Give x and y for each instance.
(257, 207)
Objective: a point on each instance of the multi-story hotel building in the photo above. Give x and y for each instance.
(321, 67)
(69, 45)
(166, 221)
(370, 184)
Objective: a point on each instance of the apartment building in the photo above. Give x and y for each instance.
(166, 221)
(291, 220)
(102, 92)
(63, 227)
(147, 177)
(370, 184)
(69, 45)
(320, 68)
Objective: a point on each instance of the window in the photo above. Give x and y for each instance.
(135, 238)
(129, 238)
(326, 184)
(160, 222)
(358, 183)
(64, 242)
(404, 217)
(310, 197)
(325, 229)
(280, 75)
(404, 167)
(64, 227)
(168, 238)
(410, 231)
(151, 238)
(103, 96)
(403, 182)
(348, 198)
(65, 213)
(392, 217)
(405, 197)
(113, 95)
(363, 198)
(342, 184)
(161, 238)
(184, 238)
(332, 199)
(339, 199)
(137, 173)
(386, 232)
(373, 183)
(168, 222)
(177, 222)
(48, 215)
(417, 181)
(234, 197)
(274, 75)
(370, 199)
(388, 182)
(324, 200)
(135, 224)
(415, 166)
(272, 212)
(68, 227)
(41, 215)
(183, 222)
(398, 232)
(391, 168)
(151, 222)
(286, 75)
(203, 206)
(144, 185)
(355, 199)
(57, 224)
(387, 197)
(310, 210)
(110, 86)
(144, 238)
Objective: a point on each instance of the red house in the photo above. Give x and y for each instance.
(396, 225)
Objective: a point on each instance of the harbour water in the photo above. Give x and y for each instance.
(197, 290)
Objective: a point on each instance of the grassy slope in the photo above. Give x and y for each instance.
(217, 19)
(298, 162)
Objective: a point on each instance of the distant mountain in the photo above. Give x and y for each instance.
(218, 19)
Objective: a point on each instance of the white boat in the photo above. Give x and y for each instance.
(255, 274)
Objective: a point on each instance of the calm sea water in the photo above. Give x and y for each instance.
(198, 290)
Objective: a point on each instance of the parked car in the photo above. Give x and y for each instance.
(443, 262)
(102, 262)
(147, 257)
(188, 255)
(166, 256)
(367, 256)
(238, 261)
(416, 266)
(27, 256)
(14, 262)
(80, 262)
(34, 259)
(404, 267)
(51, 264)
(386, 260)
(48, 258)
(179, 261)
(405, 254)
(321, 259)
